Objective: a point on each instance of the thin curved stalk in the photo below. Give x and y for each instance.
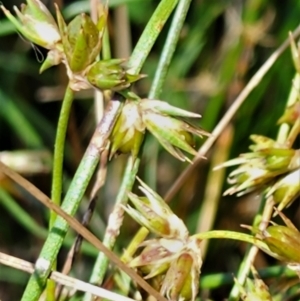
(224, 234)
(59, 148)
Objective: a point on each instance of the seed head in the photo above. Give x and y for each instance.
(36, 23)
(174, 134)
(153, 213)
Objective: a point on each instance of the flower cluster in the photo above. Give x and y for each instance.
(159, 118)
(255, 289)
(270, 163)
(76, 45)
(283, 243)
(172, 261)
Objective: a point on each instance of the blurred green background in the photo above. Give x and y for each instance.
(222, 45)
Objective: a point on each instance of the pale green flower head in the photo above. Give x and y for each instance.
(182, 278)
(291, 113)
(128, 132)
(110, 75)
(269, 163)
(152, 212)
(173, 133)
(81, 39)
(286, 189)
(255, 289)
(35, 23)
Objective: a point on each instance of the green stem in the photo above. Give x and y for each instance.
(169, 48)
(59, 148)
(57, 173)
(114, 222)
(224, 234)
(106, 52)
(70, 204)
(161, 74)
(150, 34)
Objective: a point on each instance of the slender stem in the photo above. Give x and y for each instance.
(150, 34)
(71, 202)
(114, 222)
(57, 174)
(134, 244)
(169, 48)
(224, 234)
(161, 74)
(59, 148)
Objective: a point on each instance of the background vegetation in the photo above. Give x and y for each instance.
(221, 46)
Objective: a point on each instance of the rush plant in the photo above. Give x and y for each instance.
(164, 255)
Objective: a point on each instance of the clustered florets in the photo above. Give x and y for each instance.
(172, 261)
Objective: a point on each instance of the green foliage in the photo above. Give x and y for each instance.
(197, 56)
